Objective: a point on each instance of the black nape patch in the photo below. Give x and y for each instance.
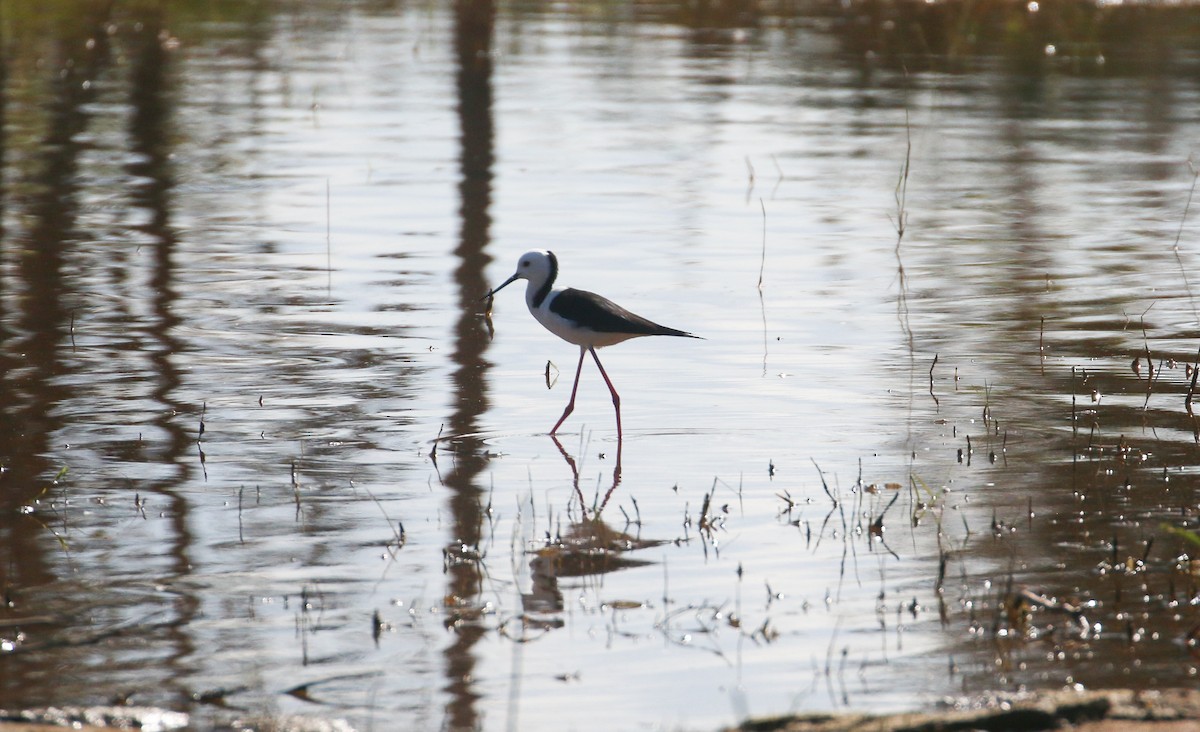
(540, 296)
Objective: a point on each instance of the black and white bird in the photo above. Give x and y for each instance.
(580, 317)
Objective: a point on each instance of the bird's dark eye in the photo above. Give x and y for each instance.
(525, 264)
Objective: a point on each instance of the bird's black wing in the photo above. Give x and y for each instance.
(591, 311)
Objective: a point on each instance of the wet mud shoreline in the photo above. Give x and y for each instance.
(1121, 710)
(1174, 710)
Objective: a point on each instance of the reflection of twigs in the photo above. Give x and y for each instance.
(943, 559)
(706, 524)
(782, 175)
(876, 529)
(824, 484)
(524, 623)
(1187, 403)
(62, 541)
(1042, 344)
(901, 224)
(305, 691)
(750, 178)
(848, 547)
(902, 183)
(762, 264)
(637, 513)
(433, 450)
(936, 403)
(1151, 372)
(762, 305)
(829, 656)
(877, 524)
(83, 634)
(788, 501)
(1179, 235)
(821, 533)
(1075, 416)
(709, 619)
(328, 245)
(28, 511)
(400, 538)
(296, 488)
(1192, 389)
(832, 509)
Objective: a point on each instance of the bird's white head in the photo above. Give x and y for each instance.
(539, 267)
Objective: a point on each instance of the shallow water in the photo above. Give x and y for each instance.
(243, 253)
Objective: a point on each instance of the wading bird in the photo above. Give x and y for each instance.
(583, 318)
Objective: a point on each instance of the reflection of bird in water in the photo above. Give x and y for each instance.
(583, 318)
(588, 548)
(616, 479)
(591, 547)
(544, 595)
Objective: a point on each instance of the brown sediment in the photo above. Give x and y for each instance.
(1121, 710)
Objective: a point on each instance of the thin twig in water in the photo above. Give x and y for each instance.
(1179, 234)
(433, 450)
(931, 367)
(1150, 371)
(823, 483)
(762, 305)
(399, 535)
(1187, 403)
(1074, 416)
(750, 178)
(762, 263)
(902, 183)
(328, 245)
(901, 223)
(296, 489)
(1042, 345)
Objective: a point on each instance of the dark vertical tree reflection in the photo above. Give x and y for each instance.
(474, 24)
(149, 133)
(42, 323)
(34, 357)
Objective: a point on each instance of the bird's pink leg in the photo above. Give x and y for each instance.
(612, 390)
(571, 404)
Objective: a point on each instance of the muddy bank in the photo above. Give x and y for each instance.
(1174, 710)
(1106, 711)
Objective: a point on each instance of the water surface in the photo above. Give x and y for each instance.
(243, 253)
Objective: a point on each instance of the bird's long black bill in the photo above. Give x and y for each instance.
(492, 293)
